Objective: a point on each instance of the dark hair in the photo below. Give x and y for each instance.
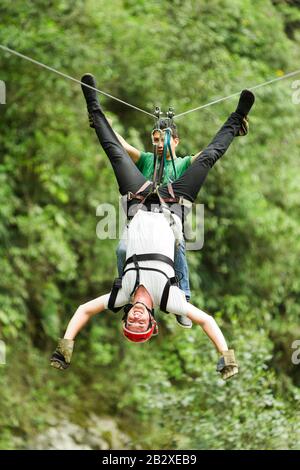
(164, 123)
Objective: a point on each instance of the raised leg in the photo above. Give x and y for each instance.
(190, 183)
(127, 174)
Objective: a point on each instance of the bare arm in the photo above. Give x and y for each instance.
(83, 314)
(132, 151)
(209, 326)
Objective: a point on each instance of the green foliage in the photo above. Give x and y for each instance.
(53, 175)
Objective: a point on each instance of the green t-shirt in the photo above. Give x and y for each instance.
(145, 165)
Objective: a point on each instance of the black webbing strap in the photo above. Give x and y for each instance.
(165, 295)
(117, 284)
(136, 195)
(150, 257)
(154, 179)
(146, 269)
(171, 191)
(137, 269)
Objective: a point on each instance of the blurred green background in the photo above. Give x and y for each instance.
(53, 175)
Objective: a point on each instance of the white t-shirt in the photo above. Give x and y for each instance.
(150, 232)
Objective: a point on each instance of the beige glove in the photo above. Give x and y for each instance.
(61, 357)
(227, 365)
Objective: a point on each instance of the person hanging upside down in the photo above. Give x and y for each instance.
(148, 279)
(174, 168)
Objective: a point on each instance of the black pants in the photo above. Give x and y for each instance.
(189, 184)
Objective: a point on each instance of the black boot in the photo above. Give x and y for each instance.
(245, 103)
(90, 95)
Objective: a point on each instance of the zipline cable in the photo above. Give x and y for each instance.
(268, 82)
(11, 51)
(288, 75)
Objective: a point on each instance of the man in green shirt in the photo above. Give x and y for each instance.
(144, 160)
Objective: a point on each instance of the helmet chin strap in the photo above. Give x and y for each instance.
(142, 303)
(128, 307)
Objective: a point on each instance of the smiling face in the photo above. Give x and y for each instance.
(158, 139)
(138, 318)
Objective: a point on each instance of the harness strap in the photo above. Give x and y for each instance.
(131, 195)
(170, 151)
(165, 295)
(136, 195)
(173, 199)
(117, 284)
(150, 257)
(155, 166)
(153, 257)
(143, 187)
(148, 269)
(163, 160)
(171, 191)
(170, 199)
(137, 270)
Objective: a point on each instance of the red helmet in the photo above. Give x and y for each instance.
(143, 336)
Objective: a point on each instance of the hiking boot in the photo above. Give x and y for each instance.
(245, 103)
(184, 321)
(90, 95)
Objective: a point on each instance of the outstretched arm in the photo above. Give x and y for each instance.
(83, 314)
(209, 326)
(227, 364)
(62, 355)
(132, 151)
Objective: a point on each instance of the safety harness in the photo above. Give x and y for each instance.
(159, 167)
(165, 134)
(117, 285)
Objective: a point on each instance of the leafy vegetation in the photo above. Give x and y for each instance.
(53, 175)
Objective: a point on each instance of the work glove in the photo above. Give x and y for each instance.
(61, 357)
(227, 365)
(244, 129)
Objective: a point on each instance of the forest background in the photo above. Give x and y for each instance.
(53, 176)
